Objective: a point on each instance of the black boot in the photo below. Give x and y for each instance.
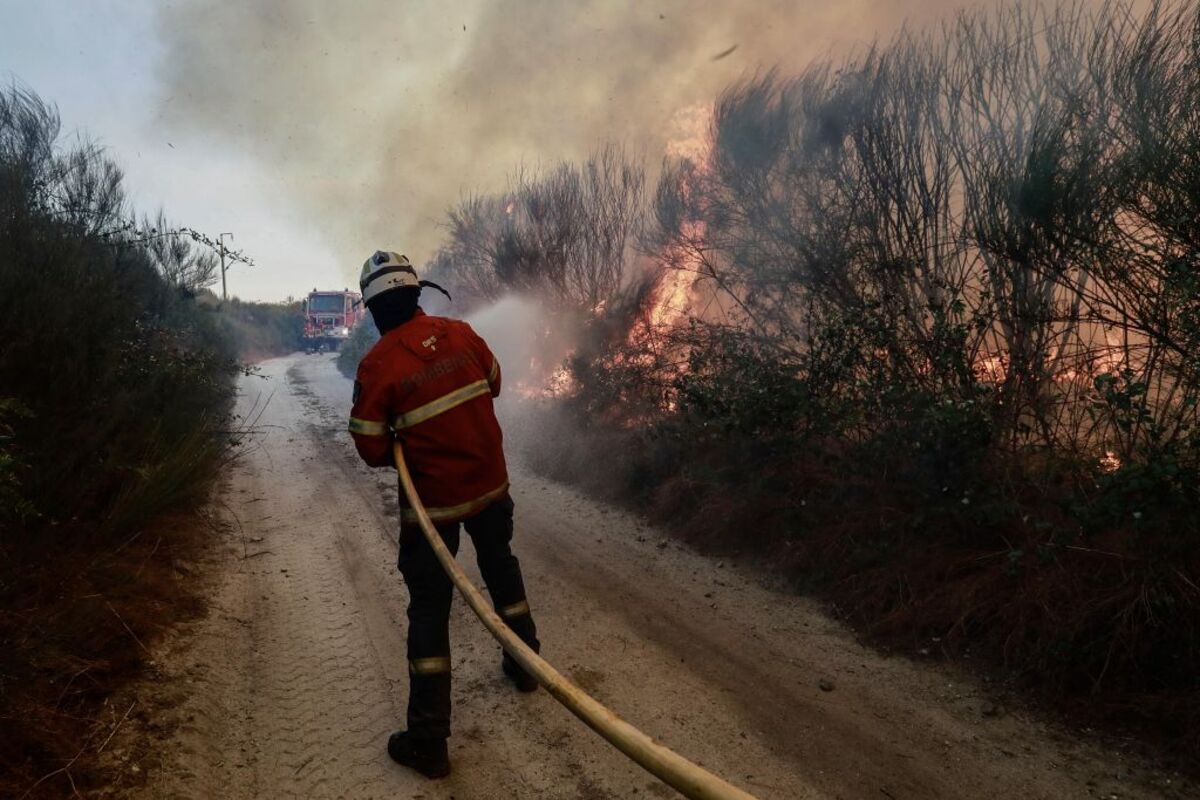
(426, 756)
(523, 680)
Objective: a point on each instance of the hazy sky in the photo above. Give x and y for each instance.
(101, 62)
(319, 131)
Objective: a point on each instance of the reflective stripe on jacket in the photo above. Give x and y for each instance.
(430, 383)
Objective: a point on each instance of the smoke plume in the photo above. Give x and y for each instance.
(378, 115)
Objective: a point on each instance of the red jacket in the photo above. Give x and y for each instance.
(430, 383)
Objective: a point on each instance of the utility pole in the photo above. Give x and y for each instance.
(221, 248)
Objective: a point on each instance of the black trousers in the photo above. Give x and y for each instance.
(430, 592)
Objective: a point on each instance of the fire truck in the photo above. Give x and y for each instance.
(329, 317)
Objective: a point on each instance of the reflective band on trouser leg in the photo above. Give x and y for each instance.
(441, 405)
(365, 427)
(515, 610)
(429, 666)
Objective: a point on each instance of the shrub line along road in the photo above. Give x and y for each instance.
(292, 683)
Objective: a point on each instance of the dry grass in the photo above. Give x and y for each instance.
(78, 626)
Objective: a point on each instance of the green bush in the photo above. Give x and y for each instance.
(14, 507)
(111, 363)
(362, 338)
(262, 330)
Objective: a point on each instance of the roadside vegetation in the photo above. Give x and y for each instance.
(362, 338)
(259, 330)
(115, 388)
(922, 330)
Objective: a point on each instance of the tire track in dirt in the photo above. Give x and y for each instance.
(291, 685)
(298, 697)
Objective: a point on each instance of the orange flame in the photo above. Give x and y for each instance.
(689, 139)
(674, 296)
(538, 386)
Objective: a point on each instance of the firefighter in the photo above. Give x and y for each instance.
(429, 383)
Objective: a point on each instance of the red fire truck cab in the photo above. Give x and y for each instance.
(329, 317)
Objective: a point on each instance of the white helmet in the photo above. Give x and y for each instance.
(385, 271)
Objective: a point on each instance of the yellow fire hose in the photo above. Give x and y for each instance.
(665, 764)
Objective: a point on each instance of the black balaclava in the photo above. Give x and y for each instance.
(392, 309)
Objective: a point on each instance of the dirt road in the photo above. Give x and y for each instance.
(291, 685)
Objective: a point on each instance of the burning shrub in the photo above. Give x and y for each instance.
(562, 237)
(928, 318)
